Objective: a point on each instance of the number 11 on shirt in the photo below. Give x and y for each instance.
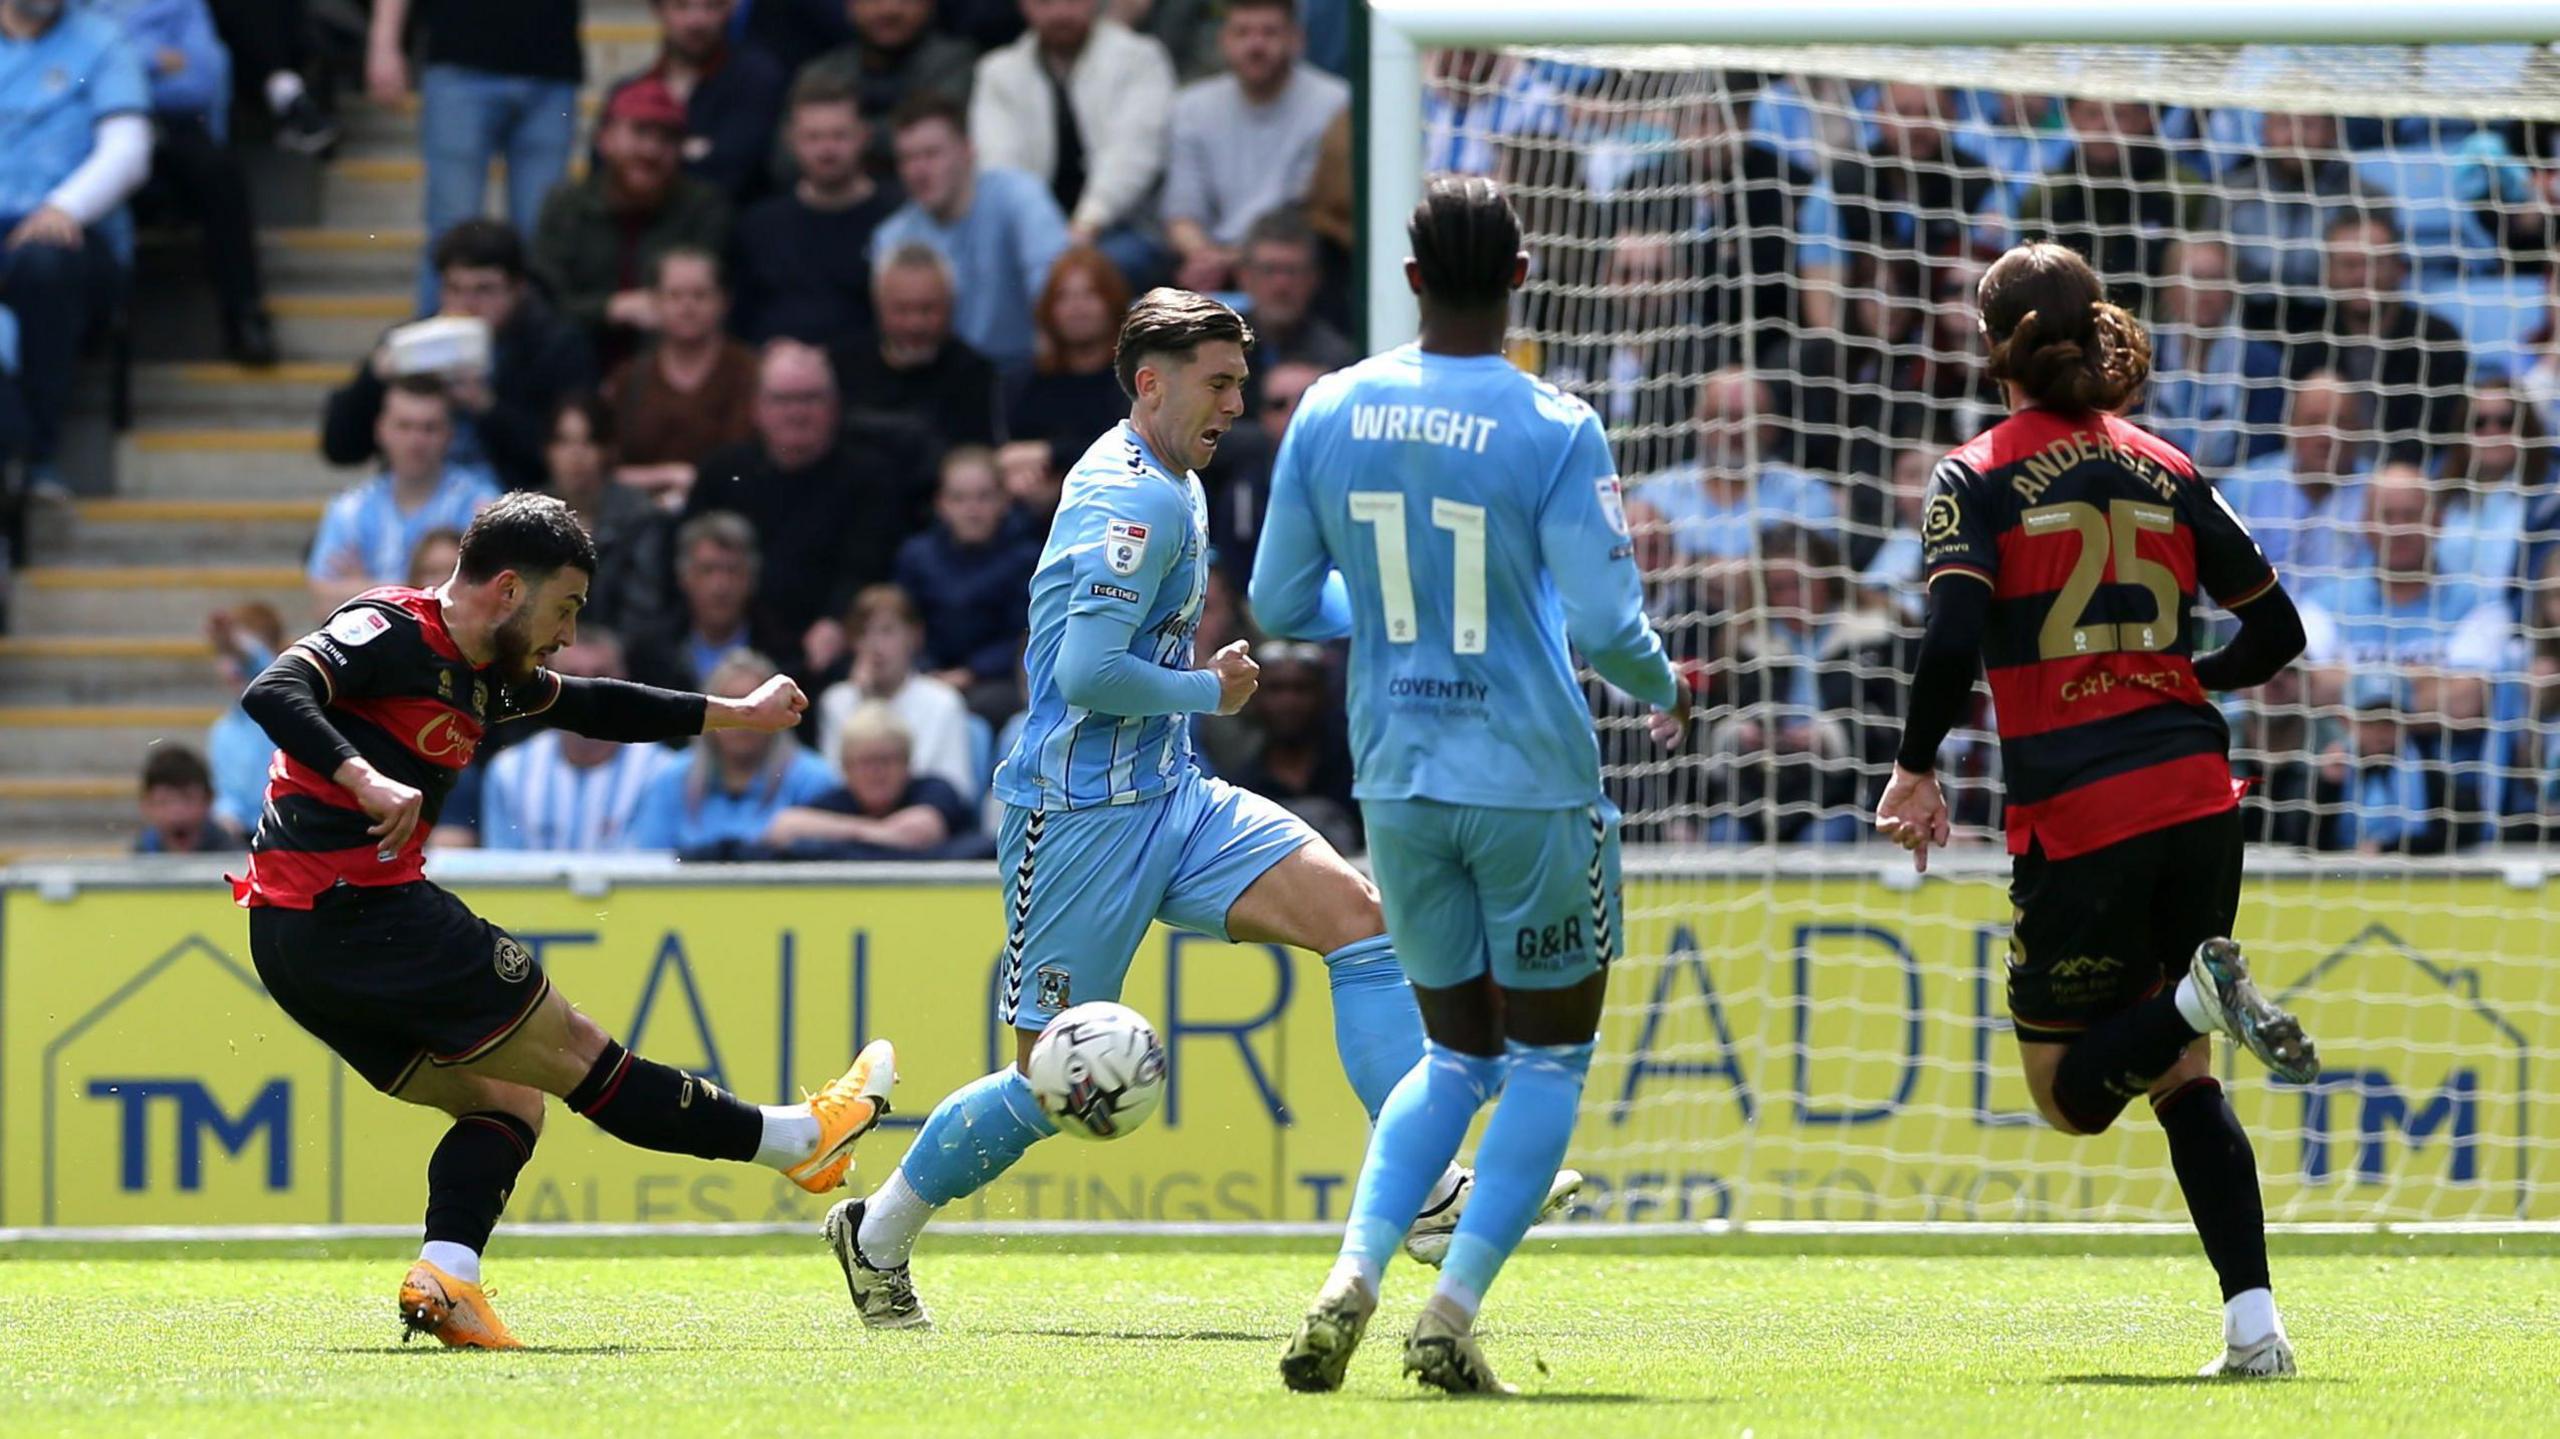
(1383, 512)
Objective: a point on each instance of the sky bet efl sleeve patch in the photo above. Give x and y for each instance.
(1124, 546)
(354, 627)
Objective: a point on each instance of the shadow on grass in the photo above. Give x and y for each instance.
(538, 1351)
(1195, 1336)
(2171, 1381)
(1555, 1396)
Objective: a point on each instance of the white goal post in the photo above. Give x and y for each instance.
(1800, 1033)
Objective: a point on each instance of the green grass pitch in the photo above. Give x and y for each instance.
(1096, 1341)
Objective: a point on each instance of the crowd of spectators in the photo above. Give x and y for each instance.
(1763, 284)
(814, 335)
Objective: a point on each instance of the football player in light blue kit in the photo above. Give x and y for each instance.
(1108, 825)
(1462, 521)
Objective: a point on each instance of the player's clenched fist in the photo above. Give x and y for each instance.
(777, 704)
(392, 806)
(1238, 677)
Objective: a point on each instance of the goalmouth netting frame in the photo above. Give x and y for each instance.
(1804, 1035)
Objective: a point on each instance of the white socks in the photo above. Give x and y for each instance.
(891, 1219)
(1455, 1303)
(2191, 1008)
(1359, 1270)
(790, 1135)
(283, 88)
(2248, 1317)
(453, 1259)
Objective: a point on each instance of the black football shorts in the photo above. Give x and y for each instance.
(2100, 931)
(396, 976)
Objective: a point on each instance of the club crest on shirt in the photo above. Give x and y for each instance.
(1613, 504)
(357, 626)
(1124, 546)
(511, 959)
(1056, 988)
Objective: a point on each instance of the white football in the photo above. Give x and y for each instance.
(1098, 1070)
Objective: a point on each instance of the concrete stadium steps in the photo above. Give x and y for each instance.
(59, 740)
(106, 669)
(217, 492)
(192, 390)
(382, 258)
(160, 531)
(148, 599)
(334, 328)
(271, 461)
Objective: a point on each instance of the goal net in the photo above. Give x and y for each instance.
(1757, 265)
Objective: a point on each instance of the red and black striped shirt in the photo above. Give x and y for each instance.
(2095, 538)
(401, 692)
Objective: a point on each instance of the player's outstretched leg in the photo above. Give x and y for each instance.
(2218, 1173)
(972, 1136)
(1524, 1143)
(1419, 1128)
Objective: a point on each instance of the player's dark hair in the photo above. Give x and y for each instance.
(926, 106)
(174, 766)
(2055, 335)
(531, 534)
(1466, 238)
(481, 244)
(1289, 5)
(1167, 321)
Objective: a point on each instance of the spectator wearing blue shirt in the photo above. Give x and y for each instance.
(564, 792)
(75, 142)
(970, 575)
(884, 809)
(245, 641)
(1718, 504)
(369, 531)
(2213, 390)
(2305, 503)
(2439, 634)
(2505, 465)
(191, 159)
(722, 802)
(1000, 229)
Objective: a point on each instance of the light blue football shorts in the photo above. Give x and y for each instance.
(1082, 885)
(1529, 896)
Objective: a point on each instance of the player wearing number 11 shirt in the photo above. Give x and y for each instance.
(2065, 551)
(1461, 522)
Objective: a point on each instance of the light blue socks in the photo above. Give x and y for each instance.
(1418, 1131)
(974, 1135)
(1523, 1146)
(1377, 1028)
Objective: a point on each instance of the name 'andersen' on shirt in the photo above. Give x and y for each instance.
(1430, 424)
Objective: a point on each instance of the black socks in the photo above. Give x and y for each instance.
(2219, 1173)
(644, 1103)
(471, 1174)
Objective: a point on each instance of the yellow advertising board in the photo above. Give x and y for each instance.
(1805, 1048)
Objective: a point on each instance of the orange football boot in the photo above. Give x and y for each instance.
(846, 1110)
(455, 1311)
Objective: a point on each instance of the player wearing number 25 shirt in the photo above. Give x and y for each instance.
(2066, 550)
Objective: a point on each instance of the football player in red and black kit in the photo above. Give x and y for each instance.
(372, 715)
(2065, 550)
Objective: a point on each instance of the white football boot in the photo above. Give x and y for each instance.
(1428, 1240)
(2268, 1358)
(2239, 1009)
